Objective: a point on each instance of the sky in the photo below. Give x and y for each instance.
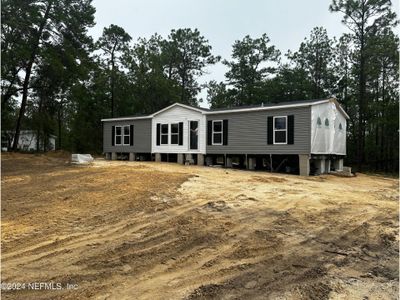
(286, 22)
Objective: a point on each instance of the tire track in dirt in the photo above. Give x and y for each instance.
(156, 231)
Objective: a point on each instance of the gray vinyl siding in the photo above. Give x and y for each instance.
(142, 136)
(247, 132)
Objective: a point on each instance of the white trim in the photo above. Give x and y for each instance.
(178, 104)
(120, 135)
(232, 110)
(340, 108)
(326, 153)
(126, 118)
(123, 135)
(265, 107)
(221, 132)
(286, 129)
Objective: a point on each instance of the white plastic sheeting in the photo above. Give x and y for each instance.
(81, 158)
(328, 129)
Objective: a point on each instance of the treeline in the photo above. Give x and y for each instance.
(57, 80)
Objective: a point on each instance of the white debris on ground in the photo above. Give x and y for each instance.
(81, 158)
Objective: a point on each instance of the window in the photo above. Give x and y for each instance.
(280, 130)
(217, 133)
(326, 122)
(164, 134)
(319, 122)
(340, 126)
(174, 133)
(122, 135)
(126, 135)
(118, 135)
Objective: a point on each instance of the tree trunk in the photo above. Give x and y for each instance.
(382, 152)
(113, 77)
(39, 129)
(112, 84)
(361, 101)
(28, 75)
(345, 89)
(316, 75)
(9, 93)
(183, 89)
(59, 120)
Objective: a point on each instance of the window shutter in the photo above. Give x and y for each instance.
(225, 132)
(131, 135)
(270, 131)
(113, 136)
(290, 129)
(158, 133)
(209, 132)
(180, 133)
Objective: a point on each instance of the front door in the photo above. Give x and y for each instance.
(194, 132)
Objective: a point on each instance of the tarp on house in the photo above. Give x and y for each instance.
(328, 130)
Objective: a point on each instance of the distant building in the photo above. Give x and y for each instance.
(27, 141)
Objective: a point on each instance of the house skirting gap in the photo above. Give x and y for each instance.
(131, 156)
(301, 164)
(323, 164)
(181, 158)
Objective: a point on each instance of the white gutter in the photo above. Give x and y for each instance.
(265, 108)
(260, 108)
(126, 118)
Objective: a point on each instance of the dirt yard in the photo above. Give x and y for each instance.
(131, 230)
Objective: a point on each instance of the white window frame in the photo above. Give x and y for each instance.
(129, 135)
(286, 130)
(171, 134)
(120, 135)
(221, 132)
(167, 134)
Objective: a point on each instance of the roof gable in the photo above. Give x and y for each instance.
(200, 110)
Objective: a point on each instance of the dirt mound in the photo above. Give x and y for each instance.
(58, 154)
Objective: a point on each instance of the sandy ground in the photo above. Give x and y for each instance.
(131, 230)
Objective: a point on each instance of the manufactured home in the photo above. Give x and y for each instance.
(303, 137)
(127, 136)
(28, 141)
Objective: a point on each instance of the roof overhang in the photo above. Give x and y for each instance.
(261, 108)
(239, 110)
(339, 107)
(126, 118)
